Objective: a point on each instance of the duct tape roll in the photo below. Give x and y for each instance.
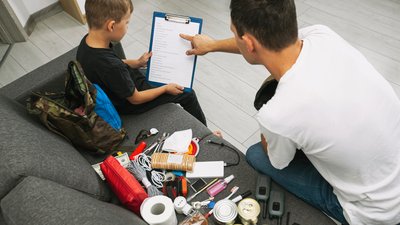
(158, 210)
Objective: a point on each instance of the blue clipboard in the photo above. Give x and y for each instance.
(177, 19)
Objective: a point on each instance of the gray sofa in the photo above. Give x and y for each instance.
(44, 180)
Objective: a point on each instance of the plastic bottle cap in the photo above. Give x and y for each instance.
(181, 206)
(229, 178)
(179, 203)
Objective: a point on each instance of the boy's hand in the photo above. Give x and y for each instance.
(201, 44)
(144, 59)
(173, 89)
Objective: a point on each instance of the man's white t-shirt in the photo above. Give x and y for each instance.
(345, 116)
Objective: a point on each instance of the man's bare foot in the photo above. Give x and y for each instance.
(218, 133)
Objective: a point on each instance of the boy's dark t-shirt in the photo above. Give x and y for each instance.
(103, 67)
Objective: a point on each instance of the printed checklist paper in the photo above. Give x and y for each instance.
(169, 62)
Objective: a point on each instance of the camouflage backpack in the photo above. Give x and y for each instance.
(72, 113)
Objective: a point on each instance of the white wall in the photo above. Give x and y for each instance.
(81, 4)
(24, 8)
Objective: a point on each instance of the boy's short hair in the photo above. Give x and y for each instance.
(99, 11)
(272, 22)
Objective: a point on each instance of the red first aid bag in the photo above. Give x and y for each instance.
(125, 186)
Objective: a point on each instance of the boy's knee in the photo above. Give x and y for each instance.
(192, 95)
(189, 97)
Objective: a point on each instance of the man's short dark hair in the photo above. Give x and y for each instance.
(99, 11)
(272, 22)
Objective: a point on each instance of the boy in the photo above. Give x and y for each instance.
(126, 87)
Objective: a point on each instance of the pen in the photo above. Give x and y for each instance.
(241, 196)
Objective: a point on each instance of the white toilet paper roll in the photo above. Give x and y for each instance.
(158, 210)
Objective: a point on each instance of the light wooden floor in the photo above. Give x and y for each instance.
(225, 83)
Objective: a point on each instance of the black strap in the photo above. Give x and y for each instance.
(43, 117)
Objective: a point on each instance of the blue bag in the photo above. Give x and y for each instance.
(106, 110)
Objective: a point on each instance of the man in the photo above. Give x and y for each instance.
(331, 132)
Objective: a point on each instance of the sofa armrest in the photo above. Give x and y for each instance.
(38, 201)
(49, 77)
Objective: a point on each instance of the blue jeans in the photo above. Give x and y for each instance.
(300, 178)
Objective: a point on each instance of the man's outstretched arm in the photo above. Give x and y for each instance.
(203, 44)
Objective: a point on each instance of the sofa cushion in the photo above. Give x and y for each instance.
(166, 118)
(2, 218)
(28, 149)
(36, 202)
(170, 118)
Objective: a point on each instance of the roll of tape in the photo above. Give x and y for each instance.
(158, 210)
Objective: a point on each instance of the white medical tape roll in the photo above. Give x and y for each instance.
(158, 210)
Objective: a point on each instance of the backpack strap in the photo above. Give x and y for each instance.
(77, 86)
(43, 117)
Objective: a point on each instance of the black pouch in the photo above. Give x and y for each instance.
(265, 93)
